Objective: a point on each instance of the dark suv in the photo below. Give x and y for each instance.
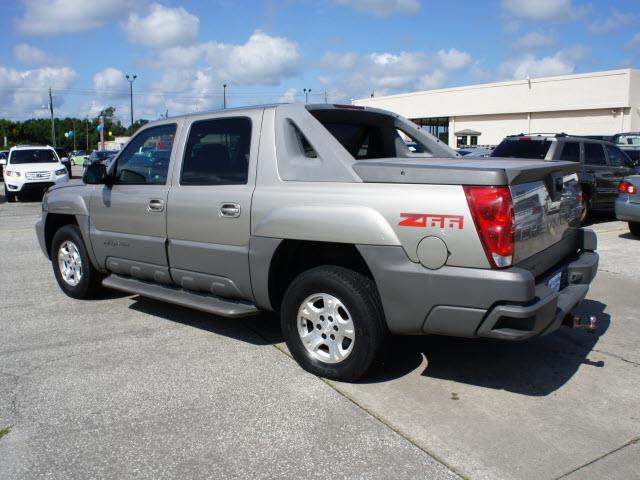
(602, 164)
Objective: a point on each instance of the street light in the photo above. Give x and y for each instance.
(224, 96)
(131, 79)
(306, 91)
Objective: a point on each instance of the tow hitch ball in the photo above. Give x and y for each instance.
(590, 323)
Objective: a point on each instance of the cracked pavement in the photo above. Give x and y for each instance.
(124, 387)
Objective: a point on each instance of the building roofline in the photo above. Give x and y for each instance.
(479, 86)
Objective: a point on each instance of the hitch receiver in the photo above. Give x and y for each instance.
(589, 324)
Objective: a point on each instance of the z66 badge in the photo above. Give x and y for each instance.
(431, 220)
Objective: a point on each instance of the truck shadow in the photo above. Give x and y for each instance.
(536, 367)
(263, 329)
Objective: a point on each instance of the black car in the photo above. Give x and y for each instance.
(64, 158)
(602, 164)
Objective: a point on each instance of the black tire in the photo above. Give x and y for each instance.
(90, 279)
(359, 296)
(586, 210)
(11, 197)
(634, 227)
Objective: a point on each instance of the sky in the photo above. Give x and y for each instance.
(183, 52)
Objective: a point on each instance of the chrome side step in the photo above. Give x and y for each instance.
(178, 296)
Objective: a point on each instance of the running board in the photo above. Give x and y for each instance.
(178, 296)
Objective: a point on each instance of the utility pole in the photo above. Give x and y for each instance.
(74, 134)
(87, 133)
(131, 79)
(53, 127)
(224, 96)
(325, 97)
(306, 91)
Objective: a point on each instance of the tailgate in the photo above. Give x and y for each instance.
(546, 214)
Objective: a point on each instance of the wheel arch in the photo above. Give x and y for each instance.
(292, 257)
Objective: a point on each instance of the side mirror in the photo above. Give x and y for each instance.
(3, 161)
(95, 174)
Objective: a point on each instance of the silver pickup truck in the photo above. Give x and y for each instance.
(323, 214)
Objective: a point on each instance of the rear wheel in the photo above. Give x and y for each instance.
(635, 228)
(586, 208)
(332, 322)
(71, 265)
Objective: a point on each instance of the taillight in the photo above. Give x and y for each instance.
(492, 211)
(628, 188)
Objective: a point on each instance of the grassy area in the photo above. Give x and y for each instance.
(4, 431)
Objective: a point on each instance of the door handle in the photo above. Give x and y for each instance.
(230, 210)
(155, 205)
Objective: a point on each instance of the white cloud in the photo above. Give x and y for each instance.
(57, 16)
(528, 65)
(111, 82)
(382, 8)
(163, 27)
(435, 79)
(453, 59)
(262, 60)
(541, 10)
(534, 41)
(612, 22)
(32, 56)
(289, 96)
(25, 94)
(634, 42)
(339, 61)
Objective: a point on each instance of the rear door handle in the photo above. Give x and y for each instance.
(230, 210)
(155, 205)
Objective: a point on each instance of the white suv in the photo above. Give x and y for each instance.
(32, 169)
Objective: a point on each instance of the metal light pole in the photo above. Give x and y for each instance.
(87, 133)
(306, 91)
(53, 126)
(131, 79)
(224, 96)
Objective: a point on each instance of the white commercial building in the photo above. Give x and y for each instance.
(598, 103)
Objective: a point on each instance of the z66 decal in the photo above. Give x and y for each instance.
(431, 220)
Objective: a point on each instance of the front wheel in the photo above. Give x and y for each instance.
(634, 227)
(72, 268)
(332, 322)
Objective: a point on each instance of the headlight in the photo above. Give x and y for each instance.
(11, 173)
(62, 171)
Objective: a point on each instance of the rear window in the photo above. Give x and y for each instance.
(594, 154)
(523, 147)
(44, 155)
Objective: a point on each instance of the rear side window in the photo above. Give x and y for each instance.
(594, 154)
(361, 141)
(45, 155)
(217, 152)
(571, 152)
(617, 158)
(524, 147)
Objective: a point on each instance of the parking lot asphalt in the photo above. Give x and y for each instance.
(125, 387)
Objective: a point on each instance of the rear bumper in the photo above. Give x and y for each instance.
(508, 304)
(627, 211)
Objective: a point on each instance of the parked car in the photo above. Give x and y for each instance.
(64, 158)
(4, 154)
(31, 169)
(338, 226)
(100, 156)
(628, 203)
(602, 164)
(78, 157)
(475, 151)
(629, 143)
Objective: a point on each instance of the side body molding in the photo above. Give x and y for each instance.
(339, 224)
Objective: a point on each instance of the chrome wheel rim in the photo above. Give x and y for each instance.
(70, 263)
(326, 328)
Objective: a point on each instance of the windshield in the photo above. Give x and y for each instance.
(61, 153)
(44, 155)
(523, 147)
(631, 139)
